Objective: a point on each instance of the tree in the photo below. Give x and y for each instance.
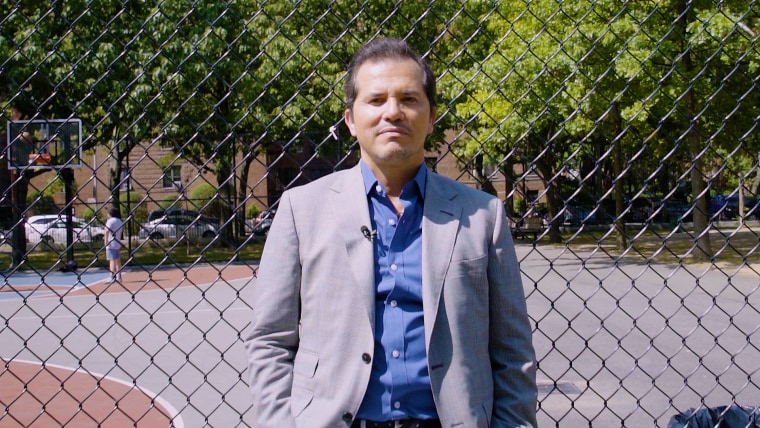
(244, 75)
(533, 96)
(562, 79)
(694, 67)
(59, 62)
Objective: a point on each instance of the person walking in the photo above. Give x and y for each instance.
(112, 238)
(387, 295)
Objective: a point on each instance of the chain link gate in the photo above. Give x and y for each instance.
(622, 137)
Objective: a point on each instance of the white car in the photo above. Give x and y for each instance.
(176, 227)
(51, 229)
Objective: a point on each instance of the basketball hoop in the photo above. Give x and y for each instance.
(40, 159)
(44, 144)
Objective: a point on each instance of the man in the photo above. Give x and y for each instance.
(112, 238)
(389, 296)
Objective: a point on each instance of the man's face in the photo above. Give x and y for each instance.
(391, 116)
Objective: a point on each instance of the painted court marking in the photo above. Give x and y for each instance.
(21, 285)
(36, 394)
(39, 394)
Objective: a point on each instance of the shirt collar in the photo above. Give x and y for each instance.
(370, 180)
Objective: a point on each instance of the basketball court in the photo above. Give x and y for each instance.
(81, 350)
(42, 392)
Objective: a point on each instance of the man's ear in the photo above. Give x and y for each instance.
(433, 117)
(348, 118)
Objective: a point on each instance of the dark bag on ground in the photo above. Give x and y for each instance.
(733, 416)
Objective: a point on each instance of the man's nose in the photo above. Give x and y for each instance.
(393, 109)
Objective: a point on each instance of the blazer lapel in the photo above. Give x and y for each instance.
(348, 201)
(440, 223)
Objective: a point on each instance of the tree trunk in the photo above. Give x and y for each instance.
(699, 195)
(114, 170)
(248, 158)
(545, 165)
(223, 177)
(508, 170)
(483, 181)
(621, 237)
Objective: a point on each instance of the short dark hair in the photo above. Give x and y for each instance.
(380, 49)
(114, 212)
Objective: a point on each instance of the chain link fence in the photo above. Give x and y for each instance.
(621, 136)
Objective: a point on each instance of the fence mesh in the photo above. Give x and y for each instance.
(621, 136)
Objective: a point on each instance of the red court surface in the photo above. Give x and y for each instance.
(37, 395)
(134, 280)
(50, 396)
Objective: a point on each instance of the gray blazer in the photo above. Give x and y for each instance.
(311, 338)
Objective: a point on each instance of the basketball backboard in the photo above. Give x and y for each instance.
(44, 144)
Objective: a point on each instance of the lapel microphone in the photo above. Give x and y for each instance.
(370, 235)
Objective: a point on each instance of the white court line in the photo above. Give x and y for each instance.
(176, 419)
(61, 284)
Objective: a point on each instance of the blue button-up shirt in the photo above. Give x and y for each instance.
(399, 385)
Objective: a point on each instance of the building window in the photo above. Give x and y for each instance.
(173, 177)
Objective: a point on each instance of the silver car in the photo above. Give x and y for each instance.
(175, 227)
(51, 229)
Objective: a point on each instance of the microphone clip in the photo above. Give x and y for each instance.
(370, 235)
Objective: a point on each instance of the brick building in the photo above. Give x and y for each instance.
(156, 176)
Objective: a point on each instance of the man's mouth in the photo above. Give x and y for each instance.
(394, 130)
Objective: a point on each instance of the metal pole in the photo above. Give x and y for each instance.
(95, 180)
(129, 208)
(67, 175)
(18, 247)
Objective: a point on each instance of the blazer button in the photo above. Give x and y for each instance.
(348, 417)
(366, 358)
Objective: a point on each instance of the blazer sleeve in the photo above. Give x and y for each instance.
(510, 342)
(273, 339)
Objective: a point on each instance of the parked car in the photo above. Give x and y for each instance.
(179, 212)
(36, 220)
(174, 212)
(726, 207)
(175, 227)
(679, 212)
(576, 215)
(51, 229)
(263, 222)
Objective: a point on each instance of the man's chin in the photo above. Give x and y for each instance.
(400, 159)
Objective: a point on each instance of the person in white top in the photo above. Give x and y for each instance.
(112, 239)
